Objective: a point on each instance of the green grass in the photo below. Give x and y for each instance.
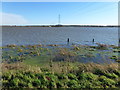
(36, 53)
(43, 67)
(21, 79)
(38, 60)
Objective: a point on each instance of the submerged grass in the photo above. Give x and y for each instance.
(37, 66)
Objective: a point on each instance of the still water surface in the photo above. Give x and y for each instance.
(59, 35)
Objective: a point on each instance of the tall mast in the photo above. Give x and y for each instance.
(59, 19)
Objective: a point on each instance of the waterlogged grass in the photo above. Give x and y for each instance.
(37, 53)
(39, 60)
(54, 66)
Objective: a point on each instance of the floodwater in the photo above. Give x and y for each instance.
(59, 35)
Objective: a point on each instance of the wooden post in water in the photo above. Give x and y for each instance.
(119, 42)
(68, 41)
(93, 40)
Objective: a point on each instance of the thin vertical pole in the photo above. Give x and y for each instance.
(59, 19)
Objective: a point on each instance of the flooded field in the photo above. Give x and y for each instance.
(59, 35)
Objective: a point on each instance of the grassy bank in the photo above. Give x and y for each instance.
(84, 76)
(55, 66)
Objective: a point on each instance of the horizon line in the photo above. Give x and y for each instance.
(61, 25)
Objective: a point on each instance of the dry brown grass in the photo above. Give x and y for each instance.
(65, 52)
(19, 66)
(62, 67)
(91, 67)
(64, 55)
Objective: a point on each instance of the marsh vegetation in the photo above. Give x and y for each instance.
(56, 66)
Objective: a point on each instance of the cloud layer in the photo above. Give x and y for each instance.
(9, 18)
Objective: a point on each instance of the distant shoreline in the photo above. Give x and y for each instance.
(59, 26)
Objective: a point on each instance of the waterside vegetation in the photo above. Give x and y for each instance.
(57, 66)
